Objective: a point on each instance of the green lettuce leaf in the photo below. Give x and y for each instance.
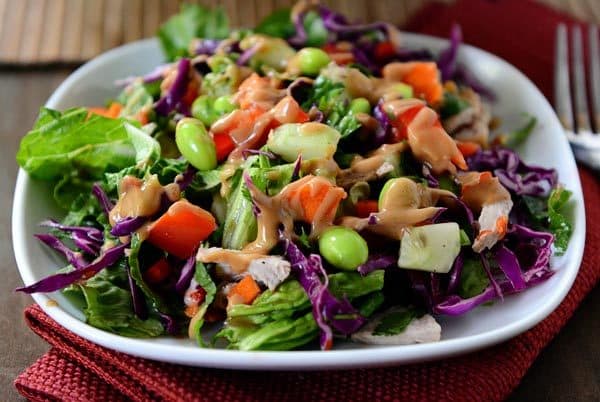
(278, 24)
(395, 322)
(331, 99)
(205, 281)
(107, 304)
(473, 278)
(193, 21)
(559, 225)
(352, 284)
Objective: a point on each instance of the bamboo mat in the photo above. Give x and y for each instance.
(72, 31)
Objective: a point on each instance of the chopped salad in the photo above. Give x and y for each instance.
(304, 181)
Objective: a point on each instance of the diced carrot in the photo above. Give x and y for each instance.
(247, 89)
(158, 272)
(366, 207)
(316, 194)
(467, 148)
(112, 111)
(142, 116)
(180, 230)
(424, 77)
(224, 145)
(245, 291)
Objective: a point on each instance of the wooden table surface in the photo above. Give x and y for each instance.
(568, 370)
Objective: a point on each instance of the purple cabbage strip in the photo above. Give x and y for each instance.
(153, 76)
(513, 173)
(373, 219)
(384, 128)
(431, 180)
(88, 239)
(463, 75)
(419, 284)
(137, 298)
(509, 264)
(297, 168)
(61, 280)
(207, 46)
(246, 55)
(326, 307)
(187, 177)
(187, 272)
(169, 323)
(106, 204)
(172, 99)
(447, 59)
(521, 271)
(127, 226)
(74, 258)
(300, 37)
(375, 262)
(493, 283)
(248, 152)
(455, 273)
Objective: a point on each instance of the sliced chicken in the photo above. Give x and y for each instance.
(270, 270)
(420, 330)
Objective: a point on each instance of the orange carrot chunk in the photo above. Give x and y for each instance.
(181, 229)
(245, 291)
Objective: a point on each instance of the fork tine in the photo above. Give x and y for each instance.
(582, 118)
(562, 90)
(595, 75)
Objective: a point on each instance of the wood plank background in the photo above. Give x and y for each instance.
(72, 31)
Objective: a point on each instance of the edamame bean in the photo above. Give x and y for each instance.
(311, 60)
(195, 144)
(223, 105)
(343, 247)
(360, 105)
(203, 110)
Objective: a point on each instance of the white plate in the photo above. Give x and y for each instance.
(485, 326)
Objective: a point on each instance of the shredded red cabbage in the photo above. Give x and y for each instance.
(375, 262)
(172, 99)
(186, 274)
(73, 257)
(87, 239)
(105, 202)
(127, 226)
(153, 76)
(513, 173)
(526, 266)
(206, 46)
(326, 308)
(384, 129)
(137, 298)
(61, 280)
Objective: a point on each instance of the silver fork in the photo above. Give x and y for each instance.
(581, 126)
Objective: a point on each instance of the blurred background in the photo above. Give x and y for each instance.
(72, 31)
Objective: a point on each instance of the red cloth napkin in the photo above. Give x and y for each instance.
(76, 369)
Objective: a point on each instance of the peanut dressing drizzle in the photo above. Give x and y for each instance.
(427, 138)
(405, 203)
(371, 167)
(276, 211)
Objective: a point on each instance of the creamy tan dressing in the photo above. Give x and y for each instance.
(137, 198)
(404, 204)
(428, 140)
(479, 190)
(370, 168)
(234, 262)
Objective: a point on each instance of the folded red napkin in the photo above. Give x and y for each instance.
(76, 369)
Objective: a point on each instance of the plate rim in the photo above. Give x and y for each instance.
(284, 360)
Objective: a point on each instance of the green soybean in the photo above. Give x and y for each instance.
(195, 144)
(343, 247)
(223, 105)
(311, 60)
(360, 105)
(203, 110)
